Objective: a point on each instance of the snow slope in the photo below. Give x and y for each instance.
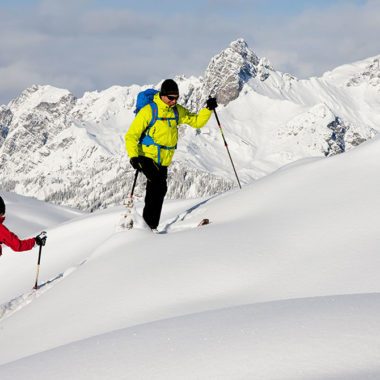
(283, 284)
(313, 338)
(30, 215)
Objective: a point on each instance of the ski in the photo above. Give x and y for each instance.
(204, 222)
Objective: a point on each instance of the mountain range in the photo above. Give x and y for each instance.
(70, 151)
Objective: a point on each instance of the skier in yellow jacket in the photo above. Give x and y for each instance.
(151, 149)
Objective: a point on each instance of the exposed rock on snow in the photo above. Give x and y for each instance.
(370, 75)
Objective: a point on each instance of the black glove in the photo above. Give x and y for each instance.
(211, 104)
(135, 162)
(41, 238)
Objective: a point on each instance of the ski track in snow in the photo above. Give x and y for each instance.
(181, 217)
(9, 308)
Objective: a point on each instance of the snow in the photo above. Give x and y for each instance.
(283, 284)
(36, 95)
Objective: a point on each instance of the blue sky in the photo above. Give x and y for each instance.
(86, 45)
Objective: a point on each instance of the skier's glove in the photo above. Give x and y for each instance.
(211, 104)
(41, 238)
(135, 162)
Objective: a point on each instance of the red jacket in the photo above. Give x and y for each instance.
(11, 240)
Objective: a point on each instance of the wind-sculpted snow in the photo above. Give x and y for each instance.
(282, 284)
(71, 151)
(313, 338)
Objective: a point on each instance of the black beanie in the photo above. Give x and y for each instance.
(2, 206)
(169, 87)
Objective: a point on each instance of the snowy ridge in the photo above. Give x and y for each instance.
(52, 144)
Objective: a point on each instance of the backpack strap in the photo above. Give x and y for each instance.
(154, 108)
(147, 140)
(154, 114)
(176, 114)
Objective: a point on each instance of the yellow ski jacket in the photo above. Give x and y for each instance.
(164, 132)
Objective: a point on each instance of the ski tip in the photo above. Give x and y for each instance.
(204, 222)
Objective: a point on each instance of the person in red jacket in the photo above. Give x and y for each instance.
(11, 240)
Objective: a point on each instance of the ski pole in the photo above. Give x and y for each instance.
(38, 268)
(134, 184)
(42, 235)
(226, 145)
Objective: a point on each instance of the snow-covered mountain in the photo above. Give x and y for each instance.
(71, 151)
(282, 284)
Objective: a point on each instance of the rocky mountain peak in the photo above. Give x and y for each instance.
(38, 115)
(229, 70)
(37, 94)
(241, 47)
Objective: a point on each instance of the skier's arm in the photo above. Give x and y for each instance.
(194, 120)
(138, 126)
(12, 241)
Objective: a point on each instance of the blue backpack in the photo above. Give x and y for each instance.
(144, 98)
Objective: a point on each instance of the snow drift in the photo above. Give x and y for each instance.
(282, 284)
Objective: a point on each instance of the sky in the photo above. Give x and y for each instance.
(87, 45)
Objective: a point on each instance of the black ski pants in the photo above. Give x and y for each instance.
(156, 189)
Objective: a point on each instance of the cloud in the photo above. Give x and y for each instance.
(16, 75)
(80, 46)
(112, 22)
(321, 39)
(99, 48)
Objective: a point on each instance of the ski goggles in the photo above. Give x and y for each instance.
(171, 97)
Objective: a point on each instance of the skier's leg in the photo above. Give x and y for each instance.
(156, 189)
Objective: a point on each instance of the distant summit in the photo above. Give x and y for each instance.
(230, 69)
